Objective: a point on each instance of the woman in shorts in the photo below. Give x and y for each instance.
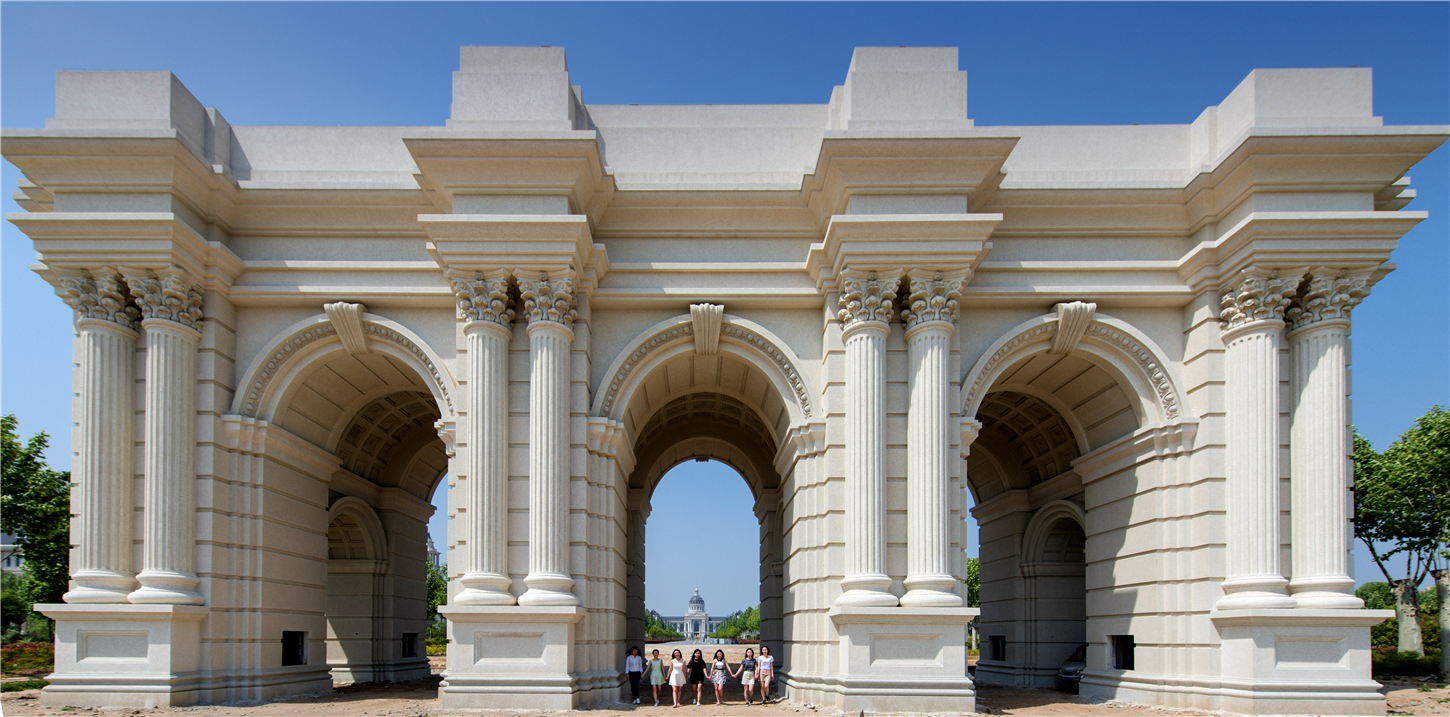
(766, 673)
(748, 667)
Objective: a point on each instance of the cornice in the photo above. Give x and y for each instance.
(1270, 241)
(472, 243)
(920, 163)
(453, 163)
(67, 243)
(885, 242)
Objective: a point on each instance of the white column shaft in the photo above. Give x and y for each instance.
(104, 470)
(866, 582)
(486, 580)
(1253, 576)
(167, 576)
(548, 580)
(1320, 464)
(929, 582)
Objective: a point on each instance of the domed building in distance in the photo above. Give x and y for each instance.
(696, 624)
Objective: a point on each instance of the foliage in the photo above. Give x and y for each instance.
(742, 622)
(35, 508)
(19, 685)
(1403, 663)
(1378, 595)
(27, 657)
(437, 590)
(437, 648)
(1402, 502)
(974, 582)
(655, 627)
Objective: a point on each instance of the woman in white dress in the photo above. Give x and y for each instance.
(677, 674)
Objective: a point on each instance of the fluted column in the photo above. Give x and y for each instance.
(1252, 319)
(930, 317)
(1319, 444)
(171, 310)
(549, 309)
(866, 307)
(103, 470)
(483, 303)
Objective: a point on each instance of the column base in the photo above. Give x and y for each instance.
(485, 589)
(1256, 592)
(546, 590)
(931, 591)
(866, 591)
(510, 657)
(100, 587)
(1298, 661)
(165, 587)
(903, 659)
(138, 656)
(1333, 592)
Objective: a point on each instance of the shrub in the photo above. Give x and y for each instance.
(437, 648)
(19, 685)
(27, 657)
(1394, 663)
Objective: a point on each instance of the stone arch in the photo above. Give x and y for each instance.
(290, 352)
(1035, 535)
(373, 536)
(1125, 352)
(739, 337)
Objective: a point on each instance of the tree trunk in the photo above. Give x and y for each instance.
(1407, 612)
(1442, 592)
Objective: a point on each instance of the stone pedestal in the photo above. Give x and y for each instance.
(904, 659)
(1303, 661)
(137, 656)
(510, 657)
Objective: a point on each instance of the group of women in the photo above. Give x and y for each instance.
(677, 673)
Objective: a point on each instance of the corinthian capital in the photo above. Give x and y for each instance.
(169, 296)
(547, 299)
(867, 296)
(483, 297)
(1256, 297)
(99, 297)
(933, 297)
(1327, 295)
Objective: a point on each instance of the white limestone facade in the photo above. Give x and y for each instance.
(1130, 345)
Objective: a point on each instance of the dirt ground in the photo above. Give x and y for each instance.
(420, 699)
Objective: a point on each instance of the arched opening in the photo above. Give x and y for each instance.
(1041, 415)
(376, 417)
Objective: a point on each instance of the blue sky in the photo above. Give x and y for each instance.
(1027, 63)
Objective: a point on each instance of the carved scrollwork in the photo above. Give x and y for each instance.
(1151, 369)
(169, 296)
(1256, 297)
(483, 297)
(932, 298)
(773, 352)
(102, 297)
(667, 336)
(867, 297)
(548, 299)
(1326, 296)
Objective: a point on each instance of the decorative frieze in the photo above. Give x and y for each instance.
(1256, 297)
(933, 297)
(547, 299)
(1326, 296)
(483, 297)
(867, 296)
(169, 296)
(103, 297)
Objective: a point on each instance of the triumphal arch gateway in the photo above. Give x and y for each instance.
(1128, 344)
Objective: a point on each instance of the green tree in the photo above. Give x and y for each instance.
(437, 589)
(35, 508)
(741, 622)
(655, 627)
(1402, 507)
(974, 582)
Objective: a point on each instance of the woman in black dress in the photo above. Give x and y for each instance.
(696, 668)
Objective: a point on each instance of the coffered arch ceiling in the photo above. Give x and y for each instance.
(1044, 412)
(374, 413)
(695, 406)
